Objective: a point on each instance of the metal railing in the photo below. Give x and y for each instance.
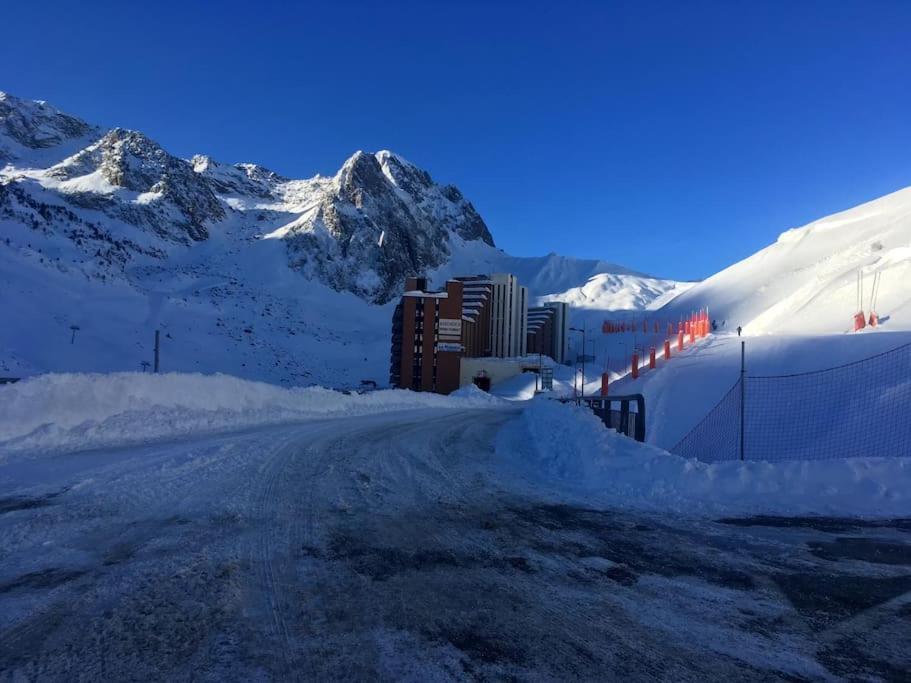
(628, 422)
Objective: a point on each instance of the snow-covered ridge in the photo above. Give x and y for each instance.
(806, 282)
(621, 292)
(33, 134)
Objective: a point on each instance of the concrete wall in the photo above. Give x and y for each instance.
(498, 369)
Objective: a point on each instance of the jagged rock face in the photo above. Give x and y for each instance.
(239, 179)
(178, 203)
(383, 195)
(443, 203)
(37, 125)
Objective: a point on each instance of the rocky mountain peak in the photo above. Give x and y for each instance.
(238, 179)
(360, 177)
(134, 162)
(34, 125)
(380, 220)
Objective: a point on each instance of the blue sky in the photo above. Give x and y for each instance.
(672, 137)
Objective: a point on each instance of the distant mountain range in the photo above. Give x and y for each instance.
(105, 236)
(240, 255)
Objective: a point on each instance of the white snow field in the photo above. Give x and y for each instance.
(409, 545)
(806, 283)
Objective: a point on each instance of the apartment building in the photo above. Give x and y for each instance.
(476, 298)
(540, 335)
(508, 316)
(476, 316)
(559, 330)
(427, 338)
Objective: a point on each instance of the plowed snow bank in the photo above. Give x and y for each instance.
(78, 411)
(560, 442)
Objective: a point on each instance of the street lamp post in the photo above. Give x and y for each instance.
(576, 329)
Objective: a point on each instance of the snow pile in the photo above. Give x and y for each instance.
(598, 466)
(78, 411)
(477, 396)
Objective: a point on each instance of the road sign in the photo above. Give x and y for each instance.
(450, 329)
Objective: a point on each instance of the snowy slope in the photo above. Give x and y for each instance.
(681, 392)
(806, 282)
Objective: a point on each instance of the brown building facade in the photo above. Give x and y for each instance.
(548, 325)
(427, 332)
(540, 338)
(476, 296)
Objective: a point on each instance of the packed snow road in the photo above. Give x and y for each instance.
(396, 546)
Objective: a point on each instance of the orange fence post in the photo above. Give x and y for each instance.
(651, 358)
(680, 341)
(667, 349)
(604, 380)
(635, 366)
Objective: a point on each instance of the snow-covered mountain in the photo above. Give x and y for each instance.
(379, 219)
(245, 271)
(621, 292)
(807, 281)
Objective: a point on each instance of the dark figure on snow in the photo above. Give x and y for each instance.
(714, 326)
(738, 330)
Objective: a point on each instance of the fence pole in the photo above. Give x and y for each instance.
(743, 345)
(157, 347)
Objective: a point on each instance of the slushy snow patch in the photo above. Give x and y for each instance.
(78, 411)
(554, 442)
